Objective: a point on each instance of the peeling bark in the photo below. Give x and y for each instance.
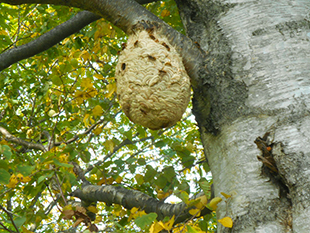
(258, 82)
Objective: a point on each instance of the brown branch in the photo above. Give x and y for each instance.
(132, 198)
(5, 228)
(29, 145)
(10, 216)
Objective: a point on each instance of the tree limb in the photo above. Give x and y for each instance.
(132, 198)
(51, 38)
(29, 145)
(48, 39)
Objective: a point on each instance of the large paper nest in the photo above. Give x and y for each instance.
(153, 87)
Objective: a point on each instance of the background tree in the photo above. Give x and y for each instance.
(249, 71)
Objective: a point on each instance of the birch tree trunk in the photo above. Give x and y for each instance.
(258, 82)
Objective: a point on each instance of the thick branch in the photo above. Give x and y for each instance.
(9, 137)
(127, 13)
(132, 198)
(50, 38)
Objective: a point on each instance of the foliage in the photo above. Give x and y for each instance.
(64, 98)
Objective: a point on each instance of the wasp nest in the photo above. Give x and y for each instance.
(153, 87)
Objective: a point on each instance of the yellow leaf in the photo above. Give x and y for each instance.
(111, 88)
(226, 222)
(169, 224)
(161, 194)
(202, 202)
(135, 213)
(190, 147)
(109, 180)
(118, 179)
(19, 176)
(99, 76)
(97, 111)
(134, 210)
(165, 13)
(97, 131)
(98, 219)
(26, 179)
(213, 203)
(67, 207)
(91, 92)
(24, 230)
(85, 55)
(156, 227)
(104, 49)
(13, 182)
(92, 209)
(85, 120)
(87, 83)
(109, 144)
(195, 212)
(3, 32)
(65, 40)
(225, 195)
(29, 133)
(98, 34)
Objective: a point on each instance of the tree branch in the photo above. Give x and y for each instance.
(10, 215)
(29, 145)
(50, 38)
(132, 198)
(125, 14)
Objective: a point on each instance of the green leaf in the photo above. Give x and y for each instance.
(3, 164)
(25, 170)
(203, 225)
(191, 229)
(169, 173)
(161, 181)
(145, 220)
(6, 151)
(4, 176)
(62, 164)
(184, 186)
(72, 179)
(139, 179)
(141, 161)
(56, 79)
(43, 177)
(150, 173)
(205, 186)
(160, 144)
(19, 221)
(182, 195)
(85, 156)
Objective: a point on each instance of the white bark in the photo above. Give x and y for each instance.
(268, 46)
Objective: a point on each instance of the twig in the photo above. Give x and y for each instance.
(5, 228)
(10, 216)
(60, 190)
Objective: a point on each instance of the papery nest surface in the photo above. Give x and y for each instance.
(153, 87)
